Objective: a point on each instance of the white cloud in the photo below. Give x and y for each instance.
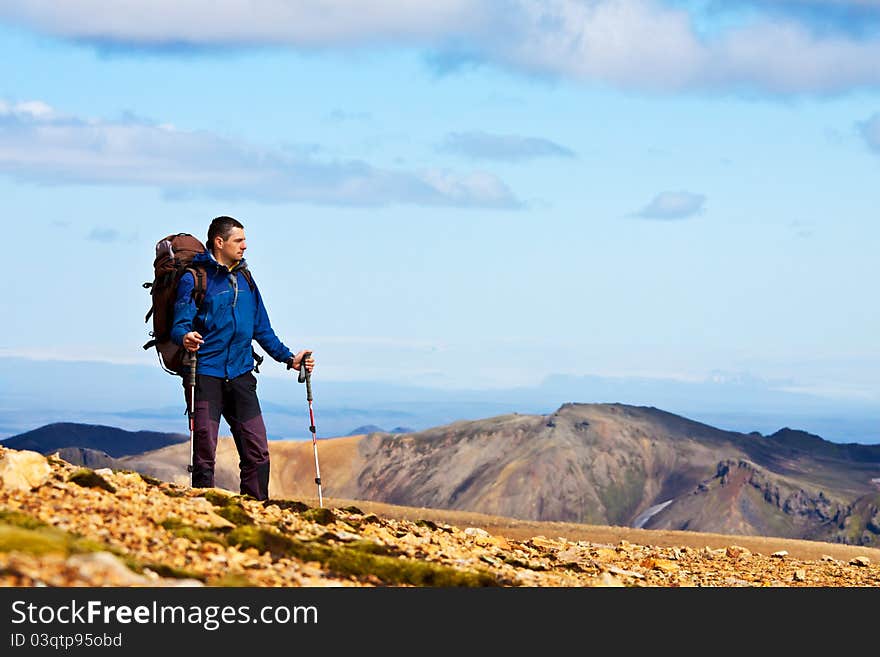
(305, 23)
(39, 145)
(673, 205)
(33, 109)
(787, 47)
(483, 145)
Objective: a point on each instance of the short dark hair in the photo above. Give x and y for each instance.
(221, 227)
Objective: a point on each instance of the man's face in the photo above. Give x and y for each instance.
(232, 248)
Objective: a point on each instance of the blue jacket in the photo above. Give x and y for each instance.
(230, 317)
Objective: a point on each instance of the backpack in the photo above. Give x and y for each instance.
(174, 254)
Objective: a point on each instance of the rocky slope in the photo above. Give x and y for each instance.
(65, 525)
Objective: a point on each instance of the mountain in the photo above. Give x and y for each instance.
(111, 441)
(366, 428)
(606, 464)
(614, 464)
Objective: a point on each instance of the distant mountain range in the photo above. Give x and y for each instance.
(603, 464)
(95, 437)
(142, 396)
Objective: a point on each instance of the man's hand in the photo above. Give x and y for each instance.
(192, 341)
(297, 361)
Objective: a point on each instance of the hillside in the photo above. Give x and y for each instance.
(597, 464)
(64, 525)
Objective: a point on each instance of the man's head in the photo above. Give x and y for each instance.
(226, 240)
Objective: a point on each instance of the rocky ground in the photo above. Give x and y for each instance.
(62, 525)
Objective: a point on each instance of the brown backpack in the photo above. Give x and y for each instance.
(174, 254)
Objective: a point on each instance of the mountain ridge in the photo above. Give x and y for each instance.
(606, 464)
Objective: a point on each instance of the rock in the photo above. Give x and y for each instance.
(780, 554)
(571, 555)
(626, 573)
(666, 565)
(476, 532)
(737, 552)
(606, 554)
(800, 575)
(542, 542)
(23, 470)
(860, 561)
(607, 579)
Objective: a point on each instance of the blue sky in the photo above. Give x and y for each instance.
(460, 194)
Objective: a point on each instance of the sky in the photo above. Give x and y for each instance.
(459, 194)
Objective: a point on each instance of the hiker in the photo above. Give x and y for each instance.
(220, 331)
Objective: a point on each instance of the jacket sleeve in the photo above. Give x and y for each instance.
(184, 309)
(263, 333)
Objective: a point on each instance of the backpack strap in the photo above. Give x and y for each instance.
(248, 277)
(200, 283)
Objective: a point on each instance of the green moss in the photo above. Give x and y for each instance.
(353, 509)
(44, 539)
(29, 536)
(262, 540)
(177, 527)
(153, 481)
(234, 512)
(427, 523)
(20, 519)
(291, 505)
(217, 498)
(320, 515)
(229, 506)
(173, 492)
(79, 545)
(18, 539)
(359, 561)
(88, 478)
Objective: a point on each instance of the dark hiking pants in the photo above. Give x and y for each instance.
(236, 400)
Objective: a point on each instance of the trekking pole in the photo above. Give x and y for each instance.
(305, 376)
(192, 409)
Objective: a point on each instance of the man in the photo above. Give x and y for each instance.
(220, 332)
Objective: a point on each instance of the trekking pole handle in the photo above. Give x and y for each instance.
(304, 375)
(192, 368)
